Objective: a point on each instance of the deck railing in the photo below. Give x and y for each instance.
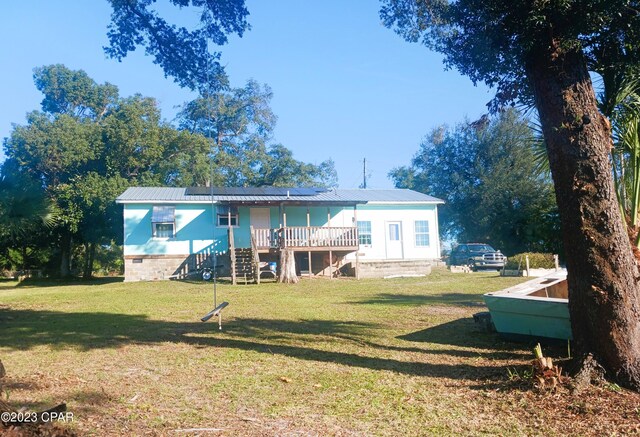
(266, 238)
(307, 236)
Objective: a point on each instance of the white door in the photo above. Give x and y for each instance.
(261, 222)
(394, 240)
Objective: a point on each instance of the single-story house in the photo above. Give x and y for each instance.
(174, 232)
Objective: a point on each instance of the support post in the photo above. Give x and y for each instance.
(309, 241)
(284, 227)
(255, 257)
(355, 222)
(330, 243)
(232, 255)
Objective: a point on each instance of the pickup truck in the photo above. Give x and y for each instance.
(477, 256)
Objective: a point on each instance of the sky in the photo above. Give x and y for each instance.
(345, 87)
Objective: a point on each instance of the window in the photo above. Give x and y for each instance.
(223, 220)
(422, 233)
(163, 221)
(394, 232)
(364, 233)
(223, 216)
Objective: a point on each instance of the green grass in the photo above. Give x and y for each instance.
(369, 357)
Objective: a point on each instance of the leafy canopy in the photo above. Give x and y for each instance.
(182, 53)
(239, 123)
(491, 41)
(487, 176)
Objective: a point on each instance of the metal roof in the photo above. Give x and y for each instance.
(252, 191)
(335, 196)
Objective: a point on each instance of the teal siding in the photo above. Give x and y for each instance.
(193, 231)
(297, 215)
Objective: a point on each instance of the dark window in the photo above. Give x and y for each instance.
(163, 221)
(224, 211)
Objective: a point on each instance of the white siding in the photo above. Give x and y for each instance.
(380, 216)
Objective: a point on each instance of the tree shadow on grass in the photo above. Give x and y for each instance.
(465, 333)
(40, 283)
(26, 329)
(459, 299)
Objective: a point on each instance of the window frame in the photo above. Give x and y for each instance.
(163, 221)
(417, 234)
(155, 230)
(361, 234)
(225, 216)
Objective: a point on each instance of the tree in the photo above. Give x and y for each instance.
(239, 123)
(280, 169)
(73, 92)
(488, 180)
(625, 116)
(101, 220)
(24, 209)
(183, 54)
(541, 53)
(86, 146)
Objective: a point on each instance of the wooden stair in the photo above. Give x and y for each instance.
(244, 263)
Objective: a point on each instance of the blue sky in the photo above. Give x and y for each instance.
(345, 87)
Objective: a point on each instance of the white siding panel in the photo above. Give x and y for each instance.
(380, 215)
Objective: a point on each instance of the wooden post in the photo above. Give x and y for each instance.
(232, 256)
(255, 257)
(556, 262)
(330, 243)
(355, 222)
(283, 230)
(309, 240)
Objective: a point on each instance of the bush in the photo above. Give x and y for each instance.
(536, 261)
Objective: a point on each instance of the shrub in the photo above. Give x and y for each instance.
(536, 261)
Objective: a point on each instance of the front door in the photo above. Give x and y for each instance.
(394, 240)
(261, 220)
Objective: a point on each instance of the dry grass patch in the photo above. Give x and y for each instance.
(344, 357)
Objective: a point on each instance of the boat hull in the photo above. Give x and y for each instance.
(530, 310)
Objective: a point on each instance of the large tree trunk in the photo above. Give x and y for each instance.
(65, 255)
(287, 266)
(604, 297)
(89, 256)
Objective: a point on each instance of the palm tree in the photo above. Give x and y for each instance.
(625, 155)
(23, 209)
(621, 104)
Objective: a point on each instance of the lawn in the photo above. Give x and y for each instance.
(344, 357)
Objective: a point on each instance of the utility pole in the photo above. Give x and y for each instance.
(364, 173)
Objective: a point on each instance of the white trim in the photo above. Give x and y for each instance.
(415, 234)
(249, 202)
(404, 202)
(388, 239)
(124, 202)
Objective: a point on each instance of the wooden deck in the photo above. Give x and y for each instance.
(307, 238)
